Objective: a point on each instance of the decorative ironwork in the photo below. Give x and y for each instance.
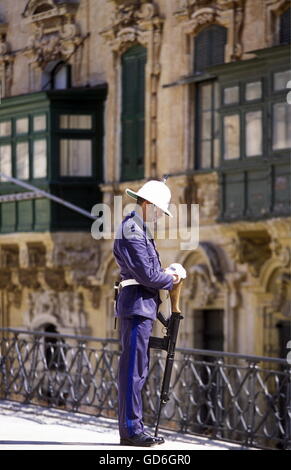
(233, 397)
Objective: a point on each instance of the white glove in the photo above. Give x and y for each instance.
(176, 268)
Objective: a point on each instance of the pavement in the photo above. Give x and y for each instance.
(32, 427)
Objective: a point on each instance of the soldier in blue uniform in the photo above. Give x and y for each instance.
(137, 305)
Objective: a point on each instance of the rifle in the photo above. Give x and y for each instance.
(168, 343)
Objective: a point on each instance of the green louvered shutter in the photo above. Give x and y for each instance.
(285, 28)
(209, 47)
(133, 107)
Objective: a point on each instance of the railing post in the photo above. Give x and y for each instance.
(219, 399)
(287, 439)
(2, 366)
(251, 403)
(78, 382)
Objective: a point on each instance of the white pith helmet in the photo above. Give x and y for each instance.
(156, 192)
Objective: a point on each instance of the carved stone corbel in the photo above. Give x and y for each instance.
(5, 278)
(55, 279)
(251, 247)
(29, 278)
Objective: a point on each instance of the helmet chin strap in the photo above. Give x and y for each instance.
(164, 178)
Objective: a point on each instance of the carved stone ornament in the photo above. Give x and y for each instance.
(207, 194)
(5, 277)
(66, 309)
(131, 23)
(6, 63)
(187, 8)
(282, 294)
(55, 34)
(203, 291)
(28, 278)
(254, 249)
(205, 275)
(195, 15)
(80, 260)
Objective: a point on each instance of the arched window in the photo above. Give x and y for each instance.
(285, 27)
(56, 76)
(133, 112)
(42, 8)
(209, 47)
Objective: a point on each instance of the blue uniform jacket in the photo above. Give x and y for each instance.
(135, 253)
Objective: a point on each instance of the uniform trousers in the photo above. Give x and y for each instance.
(135, 332)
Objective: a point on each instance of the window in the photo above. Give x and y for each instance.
(39, 123)
(231, 95)
(56, 76)
(39, 158)
(55, 141)
(5, 161)
(281, 112)
(75, 145)
(285, 27)
(281, 126)
(207, 144)
(133, 108)
(22, 161)
(253, 91)
(22, 126)
(209, 47)
(254, 133)
(281, 79)
(24, 141)
(76, 157)
(255, 172)
(5, 129)
(231, 136)
(75, 121)
(242, 120)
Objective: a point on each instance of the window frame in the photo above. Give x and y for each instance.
(28, 137)
(133, 169)
(275, 153)
(198, 123)
(75, 134)
(242, 107)
(238, 199)
(244, 89)
(272, 91)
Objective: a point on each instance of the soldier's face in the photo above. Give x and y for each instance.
(152, 212)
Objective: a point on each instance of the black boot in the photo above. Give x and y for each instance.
(141, 440)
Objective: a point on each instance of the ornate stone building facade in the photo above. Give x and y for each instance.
(209, 74)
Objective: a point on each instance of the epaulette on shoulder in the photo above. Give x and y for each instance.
(131, 228)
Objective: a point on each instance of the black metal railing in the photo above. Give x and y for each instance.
(232, 397)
